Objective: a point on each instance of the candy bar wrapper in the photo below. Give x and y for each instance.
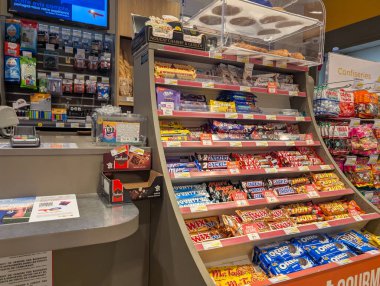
(168, 96)
(317, 251)
(182, 165)
(321, 176)
(174, 138)
(193, 201)
(202, 224)
(334, 208)
(192, 194)
(188, 188)
(284, 191)
(372, 238)
(312, 239)
(333, 217)
(225, 272)
(170, 124)
(208, 235)
(214, 165)
(280, 254)
(304, 219)
(279, 214)
(299, 181)
(335, 257)
(291, 266)
(281, 224)
(254, 215)
(356, 241)
(212, 157)
(278, 182)
(299, 208)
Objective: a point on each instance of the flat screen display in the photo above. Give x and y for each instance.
(92, 13)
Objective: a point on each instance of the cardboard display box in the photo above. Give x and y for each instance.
(178, 39)
(127, 158)
(130, 186)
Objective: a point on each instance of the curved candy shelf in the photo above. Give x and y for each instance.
(172, 250)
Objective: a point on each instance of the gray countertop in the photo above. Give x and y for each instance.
(98, 223)
(56, 145)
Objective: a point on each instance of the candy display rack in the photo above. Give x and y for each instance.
(175, 258)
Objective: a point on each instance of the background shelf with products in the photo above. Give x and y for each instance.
(57, 73)
(184, 137)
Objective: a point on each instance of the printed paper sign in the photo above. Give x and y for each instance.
(24, 270)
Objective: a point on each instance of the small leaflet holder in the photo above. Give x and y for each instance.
(25, 137)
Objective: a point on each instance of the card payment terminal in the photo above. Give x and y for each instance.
(25, 136)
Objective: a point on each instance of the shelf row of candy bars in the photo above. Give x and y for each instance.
(231, 131)
(227, 101)
(298, 254)
(299, 156)
(226, 191)
(263, 220)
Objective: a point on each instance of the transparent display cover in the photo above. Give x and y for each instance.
(292, 31)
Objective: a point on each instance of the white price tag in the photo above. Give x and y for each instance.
(243, 59)
(325, 167)
(272, 200)
(74, 125)
(373, 159)
(376, 125)
(271, 170)
(245, 88)
(253, 236)
(271, 117)
(262, 144)
(173, 144)
(343, 261)
(242, 203)
(357, 218)
(55, 74)
(309, 142)
(282, 64)
(355, 122)
(197, 209)
(208, 85)
(171, 81)
(293, 93)
(290, 143)
(50, 47)
(234, 171)
(322, 224)
(291, 230)
(230, 115)
(313, 194)
(304, 168)
(300, 118)
(167, 111)
(216, 55)
(182, 175)
(350, 161)
(236, 144)
(206, 142)
(247, 116)
(279, 278)
(69, 50)
(268, 63)
(88, 125)
(212, 244)
(60, 125)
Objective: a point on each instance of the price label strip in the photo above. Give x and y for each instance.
(247, 116)
(262, 144)
(197, 209)
(279, 278)
(208, 85)
(242, 203)
(212, 244)
(170, 81)
(231, 115)
(236, 144)
(291, 230)
(167, 111)
(253, 236)
(182, 175)
(173, 144)
(322, 224)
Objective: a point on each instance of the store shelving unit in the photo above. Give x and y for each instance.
(172, 250)
(171, 218)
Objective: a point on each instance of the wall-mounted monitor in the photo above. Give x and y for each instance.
(88, 13)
